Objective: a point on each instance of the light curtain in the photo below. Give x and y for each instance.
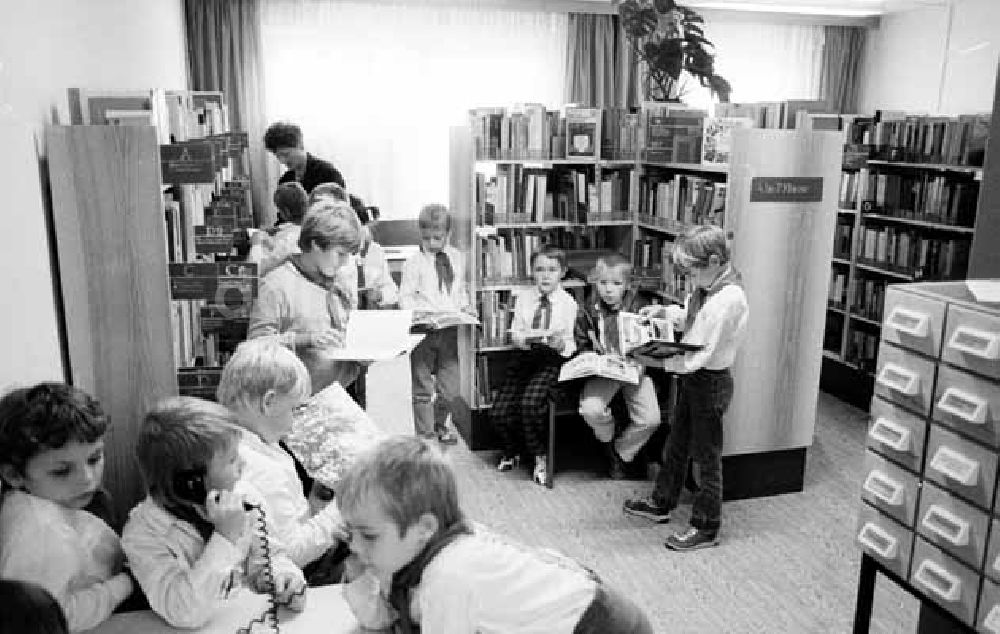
(376, 86)
(841, 67)
(592, 60)
(223, 46)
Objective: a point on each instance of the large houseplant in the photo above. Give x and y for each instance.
(670, 40)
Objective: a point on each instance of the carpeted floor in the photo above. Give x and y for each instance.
(786, 563)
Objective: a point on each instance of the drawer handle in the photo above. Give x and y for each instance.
(961, 404)
(891, 434)
(955, 465)
(899, 379)
(908, 321)
(884, 488)
(876, 539)
(979, 343)
(992, 620)
(935, 578)
(946, 525)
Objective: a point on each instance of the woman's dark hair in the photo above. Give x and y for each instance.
(282, 134)
(29, 609)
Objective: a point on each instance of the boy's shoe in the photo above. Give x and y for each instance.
(692, 539)
(617, 469)
(447, 437)
(647, 508)
(541, 471)
(506, 463)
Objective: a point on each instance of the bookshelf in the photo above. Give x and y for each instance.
(144, 233)
(909, 200)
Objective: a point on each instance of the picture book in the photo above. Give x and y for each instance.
(602, 365)
(717, 141)
(583, 132)
(424, 320)
(636, 331)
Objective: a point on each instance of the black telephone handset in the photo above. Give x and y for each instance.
(190, 486)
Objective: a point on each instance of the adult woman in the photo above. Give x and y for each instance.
(284, 140)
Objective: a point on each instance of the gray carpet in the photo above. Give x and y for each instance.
(786, 563)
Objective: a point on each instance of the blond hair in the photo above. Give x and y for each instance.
(613, 262)
(328, 190)
(257, 366)
(329, 224)
(434, 216)
(698, 244)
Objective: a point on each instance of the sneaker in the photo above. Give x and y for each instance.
(693, 539)
(447, 437)
(541, 472)
(506, 463)
(647, 508)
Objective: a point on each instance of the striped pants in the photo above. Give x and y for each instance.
(521, 409)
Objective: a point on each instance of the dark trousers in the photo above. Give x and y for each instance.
(520, 411)
(612, 613)
(703, 397)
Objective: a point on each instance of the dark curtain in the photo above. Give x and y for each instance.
(224, 53)
(840, 75)
(601, 70)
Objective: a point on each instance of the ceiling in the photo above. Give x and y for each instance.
(856, 8)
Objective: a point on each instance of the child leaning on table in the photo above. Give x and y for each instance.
(192, 542)
(263, 383)
(400, 501)
(714, 317)
(51, 465)
(597, 330)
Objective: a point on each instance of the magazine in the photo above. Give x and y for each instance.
(636, 330)
(602, 365)
(435, 320)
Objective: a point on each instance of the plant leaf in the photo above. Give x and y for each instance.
(720, 87)
(664, 6)
(638, 21)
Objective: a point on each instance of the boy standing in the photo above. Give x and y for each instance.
(543, 326)
(433, 279)
(715, 318)
(597, 330)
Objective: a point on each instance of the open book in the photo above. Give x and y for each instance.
(650, 337)
(603, 365)
(376, 335)
(424, 320)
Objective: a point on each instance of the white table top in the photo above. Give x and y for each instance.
(326, 611)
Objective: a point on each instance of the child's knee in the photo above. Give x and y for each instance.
(594, 411)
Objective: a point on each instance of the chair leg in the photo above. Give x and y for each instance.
(550, 456)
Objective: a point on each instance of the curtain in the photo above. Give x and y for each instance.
(841, 67)
(224, 53)
(592, 60)
(376, 86)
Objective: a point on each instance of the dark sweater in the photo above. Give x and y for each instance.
(591, 312)
(316, 173)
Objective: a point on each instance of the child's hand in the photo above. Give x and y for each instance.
(224, 509)
(290, 590)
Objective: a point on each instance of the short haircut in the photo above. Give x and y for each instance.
(613, 262)
(46, 416)
(407, 478)
(292, 199)
(434, 216)
(327, 190)
(359, 208)
(259, 365)
(330, 224)
(549, 251)
(181, 433)
(282, 135)
(28, 607)
(700, 243)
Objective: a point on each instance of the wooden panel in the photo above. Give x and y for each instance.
(461, 186)
(110, 241)
(783, 251)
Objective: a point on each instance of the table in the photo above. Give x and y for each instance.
(326, 611)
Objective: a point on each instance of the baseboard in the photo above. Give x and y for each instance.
(762, 474)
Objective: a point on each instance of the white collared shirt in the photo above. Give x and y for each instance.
(562, 319)
(720, 326)
(419, 288)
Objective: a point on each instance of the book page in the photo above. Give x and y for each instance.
(374, 335)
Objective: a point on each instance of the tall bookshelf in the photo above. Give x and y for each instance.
(908, 211)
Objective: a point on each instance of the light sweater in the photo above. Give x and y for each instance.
(562, 320)
(283, 244)
(720, 326)
(419, 288)
(71, 553)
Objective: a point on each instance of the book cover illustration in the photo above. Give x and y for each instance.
(434, 320)
(582, 132)
(608, 366)
(717, 141)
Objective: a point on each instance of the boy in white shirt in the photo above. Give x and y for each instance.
(442, 574)
(262, 384)
(52, 463)
(433, 279)
(271, 251)
(715, 317)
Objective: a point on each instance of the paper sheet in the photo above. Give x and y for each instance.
(376, 335)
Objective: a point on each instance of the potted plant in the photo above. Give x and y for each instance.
(670, 40)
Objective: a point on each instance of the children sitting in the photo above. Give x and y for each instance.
(192, 541)
(597, 330)
(434, 280)
(270, 252)
(262, 384)
(52, 460)
(400, 501)
(543, 322)
(715, 317)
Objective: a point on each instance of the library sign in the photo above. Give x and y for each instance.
(786, 189)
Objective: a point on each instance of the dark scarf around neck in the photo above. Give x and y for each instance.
(700, 295)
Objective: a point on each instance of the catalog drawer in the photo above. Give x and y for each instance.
(905, 378)
(968, 404)
(991, 567)
(950, 584)
(988, 620)
(953, 525)
(885, 539)
(972, 340)
(890, 488)
(913, 321)
(960, 465)
(897, 434)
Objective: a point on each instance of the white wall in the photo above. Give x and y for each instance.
(47, 46)
(935, 59)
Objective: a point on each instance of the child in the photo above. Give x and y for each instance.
(271, 252)
(520, 409)
(29, 609)
(716, 318)
(330, 191)
(305, 302)
(433, 279)
(376, 288)
(191, 542)
(52, 457)
(400, 501)
(597, 330)
(262, 384)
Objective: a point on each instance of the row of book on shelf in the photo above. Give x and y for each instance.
(927, 197)
(862, 345)
(682, 199)
(505, 253)
(863, 295)
(911, 252)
